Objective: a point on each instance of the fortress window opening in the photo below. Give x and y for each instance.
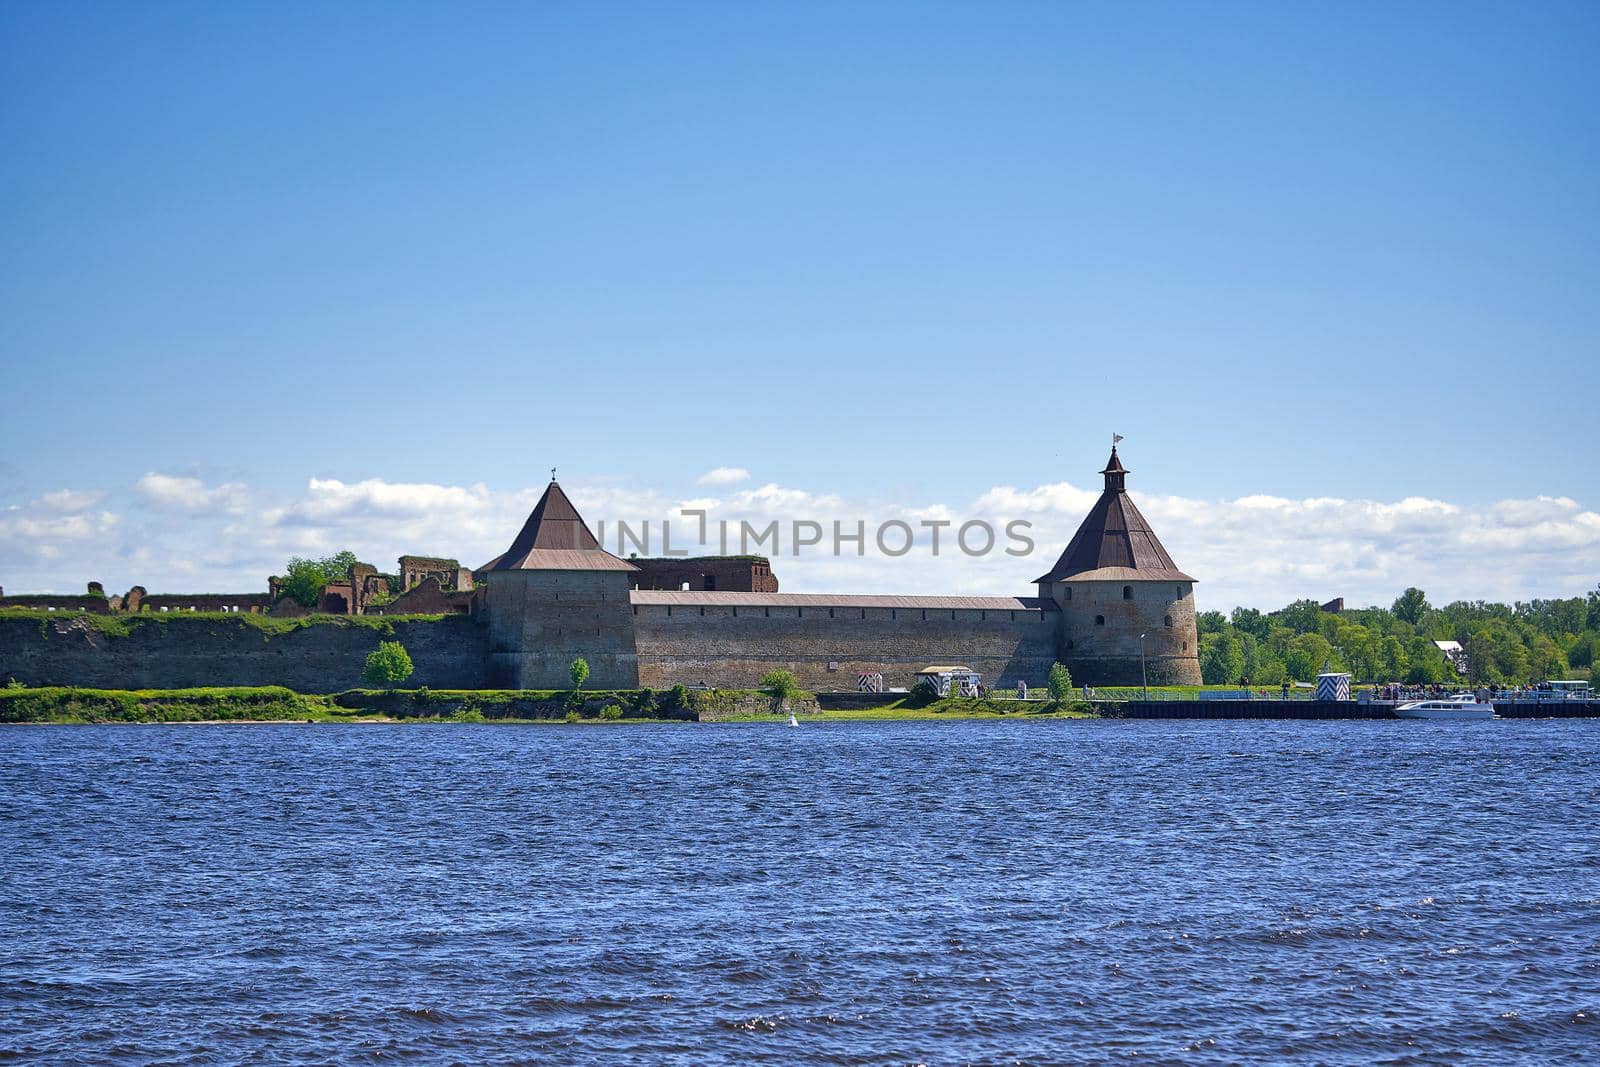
(1127, 592)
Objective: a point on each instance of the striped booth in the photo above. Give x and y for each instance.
(1333, 686)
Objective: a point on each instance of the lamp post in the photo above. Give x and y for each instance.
(1144, 679)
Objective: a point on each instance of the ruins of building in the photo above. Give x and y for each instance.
(136, 600)
(705, 574)
(448, 574)
(427, 597)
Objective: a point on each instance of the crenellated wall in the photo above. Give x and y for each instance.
(828, 646)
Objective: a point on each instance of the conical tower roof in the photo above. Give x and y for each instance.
(555, 538)
(1115, 542)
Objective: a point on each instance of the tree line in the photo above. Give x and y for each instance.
(1529, 641)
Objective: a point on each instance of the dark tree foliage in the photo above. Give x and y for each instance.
(1509, 644)
(1411, 606)
(304, 578)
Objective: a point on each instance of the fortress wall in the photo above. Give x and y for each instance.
(540, 621)
(183, 651)
(733, 647)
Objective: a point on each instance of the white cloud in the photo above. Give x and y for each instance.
(41, 520)
(169, 492)
(1062, 497)
(723, 476)
(1258, 550)
(329, 499)
(68, 501)
(43, 538)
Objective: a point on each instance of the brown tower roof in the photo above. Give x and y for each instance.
(555, 538)
(1115, 543)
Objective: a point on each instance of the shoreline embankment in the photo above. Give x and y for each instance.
(1324, 709)
(275, 704)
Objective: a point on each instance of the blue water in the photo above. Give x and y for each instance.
(1046, 892)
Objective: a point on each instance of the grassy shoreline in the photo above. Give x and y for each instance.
(66, 705)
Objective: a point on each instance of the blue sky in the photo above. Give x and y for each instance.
(899, 254)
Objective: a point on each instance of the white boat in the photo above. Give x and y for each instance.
(792, 720)
(1458, 708)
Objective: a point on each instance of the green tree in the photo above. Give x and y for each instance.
(1395, 660)
(1306, 656)
(1545, 660)
(1411, 606)
(1252, 622)
(304, 578)
(780, 685)
(1059, 683)
(1303, 616)
(1221, 659)
(1361, 651)
(1582, 652)
(388, 665)
(1480, 657)
(1250, 648)
(579, 672)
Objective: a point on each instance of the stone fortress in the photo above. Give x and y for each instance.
(1114, 608)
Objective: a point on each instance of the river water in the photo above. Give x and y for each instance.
(1043, 892)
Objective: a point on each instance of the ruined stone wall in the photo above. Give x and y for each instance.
(449, 573)
(50, 602)
(735, 574)
(179, 651)
(540, 621)
(1107, 652)
(242, 602)
(827, 648)
(426, 598)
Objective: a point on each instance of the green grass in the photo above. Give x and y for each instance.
(123, 625)
(65, 704)
(949, 708)
(506, 705)
(61, 704)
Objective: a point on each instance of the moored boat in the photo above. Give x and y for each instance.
(1459, 708)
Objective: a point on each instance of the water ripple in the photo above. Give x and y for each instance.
(848, 893)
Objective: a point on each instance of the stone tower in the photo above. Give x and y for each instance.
(1115, 582)
(555, 595)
